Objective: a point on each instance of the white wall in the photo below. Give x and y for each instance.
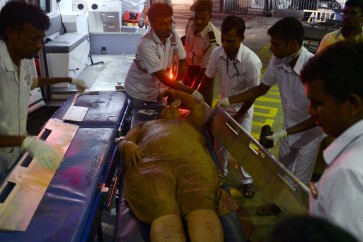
(184, 2)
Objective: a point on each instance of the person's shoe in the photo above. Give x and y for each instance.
(268, 210)
(248, 190)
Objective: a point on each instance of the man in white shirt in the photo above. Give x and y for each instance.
(238, 69)
(22, 31)
(300, 138)
(156, 52)
(201, 38)
(333, 81)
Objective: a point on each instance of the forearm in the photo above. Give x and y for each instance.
(243, 110)
(167, 81)
(131, 136)
(249, 95)
(302, 126)
(11, 141)
(44, 81)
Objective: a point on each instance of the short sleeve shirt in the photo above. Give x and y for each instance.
(15, 85)
(235, 76)
(334, 37)
(340, 189)
(293, 98)
(198, 46)
(151, 56)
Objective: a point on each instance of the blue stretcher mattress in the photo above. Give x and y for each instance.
(105, 109)
(64, 211)
(71, 204)
(129, 229)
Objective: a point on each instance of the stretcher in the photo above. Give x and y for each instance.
(269, 174)
(71, 205)
(129, 229)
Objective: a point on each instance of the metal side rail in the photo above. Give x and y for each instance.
(268, 173)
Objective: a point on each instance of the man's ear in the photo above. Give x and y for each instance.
(10, 32)
(355, 103)
(294, 45)
(242, 38)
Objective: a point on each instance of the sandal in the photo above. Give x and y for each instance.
(248, 190)
(268, 210)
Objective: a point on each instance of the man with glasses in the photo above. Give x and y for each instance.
(351, 26)
(201, 38)
(238, 69)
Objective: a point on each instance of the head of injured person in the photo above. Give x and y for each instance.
(160, 18)
(169, 112)
(202, 13)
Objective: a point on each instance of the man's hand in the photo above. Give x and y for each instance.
(278, 135)
(42, 151)
(223, 102)
(80, 84)
(133, 154)
(168, 92)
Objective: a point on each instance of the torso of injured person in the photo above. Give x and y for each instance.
(177, 170)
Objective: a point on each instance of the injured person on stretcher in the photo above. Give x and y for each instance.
(171, 177)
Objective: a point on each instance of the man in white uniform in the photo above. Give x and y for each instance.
(22, 30)
(238, 69)
(201, 38)
(300, 137)
(333, 81)
(156, 52)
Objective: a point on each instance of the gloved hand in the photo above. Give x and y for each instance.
(277, 135)
(198, 95)
(80, 84)
(223, 102)
(47, 155)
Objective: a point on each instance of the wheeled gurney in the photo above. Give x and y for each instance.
(266, 170)
(130, 229)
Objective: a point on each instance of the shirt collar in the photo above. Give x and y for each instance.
(300, 61)
(204, 32)
(6, 62)
(343, 141)
(238, 55)
(156, 38)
